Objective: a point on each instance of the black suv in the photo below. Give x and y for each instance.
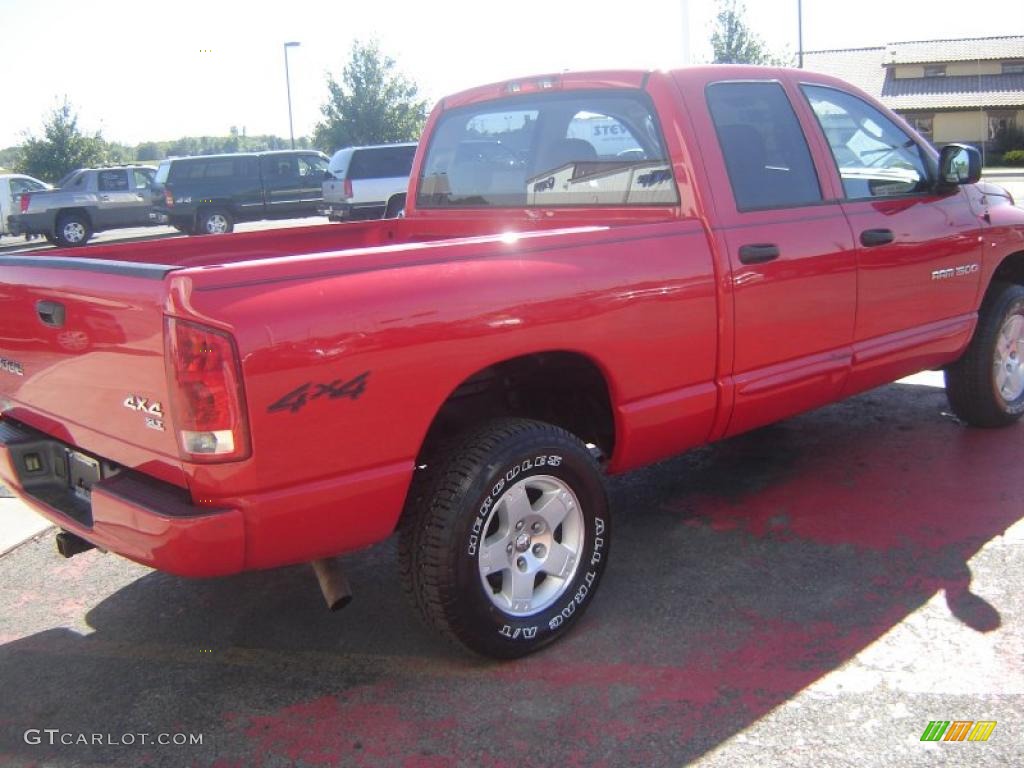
(207, 195)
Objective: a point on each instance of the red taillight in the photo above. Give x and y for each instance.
(24, 201)
(169, 198)
(208, 402)
(348, 189)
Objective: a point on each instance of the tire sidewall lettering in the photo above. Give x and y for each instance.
(514, 473)
(535, 627)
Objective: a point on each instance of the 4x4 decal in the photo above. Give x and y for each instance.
(296, 400)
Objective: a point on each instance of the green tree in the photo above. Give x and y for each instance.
(233, 143)
(372, 104)
(183, 147)
(63, 148)
(149, 151)
(120, 153)
(9, 156)
(733, 42)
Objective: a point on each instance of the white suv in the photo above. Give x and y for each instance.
(367, 182)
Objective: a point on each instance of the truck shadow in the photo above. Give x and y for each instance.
(742, 573)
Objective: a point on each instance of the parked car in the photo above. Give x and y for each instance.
(367, 182)
(207, 195)
(12, 187)
(88, 200)
(551, 309)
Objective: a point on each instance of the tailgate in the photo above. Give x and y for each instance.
(334, 192)
(81, 342)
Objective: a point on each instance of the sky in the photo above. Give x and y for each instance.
(159, 71)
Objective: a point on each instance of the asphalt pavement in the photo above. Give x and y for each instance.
(814, 593)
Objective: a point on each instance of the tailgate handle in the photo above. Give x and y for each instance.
(51, 313)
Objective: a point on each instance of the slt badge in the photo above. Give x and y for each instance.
(154, 411)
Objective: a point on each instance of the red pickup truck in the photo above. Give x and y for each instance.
(595, 271)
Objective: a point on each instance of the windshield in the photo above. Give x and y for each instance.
(555, 149)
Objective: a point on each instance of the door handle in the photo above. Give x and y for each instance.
(871, 237)
(105, 198)
(758, 253)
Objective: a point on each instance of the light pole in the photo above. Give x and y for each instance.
(288, 85)
(800, 33)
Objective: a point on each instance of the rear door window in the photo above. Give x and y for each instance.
(281, 167)
(112, 181)
(574, 148)
(247, 166)
(764, 148)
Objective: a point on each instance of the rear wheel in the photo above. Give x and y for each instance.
(986, 386)
(73, 229)
(506, 537)
(215, 221)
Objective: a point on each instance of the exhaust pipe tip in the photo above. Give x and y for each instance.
(333, 583)
(69, 545)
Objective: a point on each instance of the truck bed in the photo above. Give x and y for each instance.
(334, 238)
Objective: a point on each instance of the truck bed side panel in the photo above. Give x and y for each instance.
(412, 325)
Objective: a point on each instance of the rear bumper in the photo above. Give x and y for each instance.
(129, 513)
(353, 212)
(30, 223)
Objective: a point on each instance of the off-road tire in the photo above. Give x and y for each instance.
(464, 498)
(971, 382)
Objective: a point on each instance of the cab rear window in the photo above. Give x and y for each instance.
(576, 148)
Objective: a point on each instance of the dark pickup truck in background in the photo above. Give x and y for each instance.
(207, 195)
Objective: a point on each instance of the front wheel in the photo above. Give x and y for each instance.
(986, 386)
(506, 537)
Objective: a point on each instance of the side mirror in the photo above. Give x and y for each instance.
(959, 164)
